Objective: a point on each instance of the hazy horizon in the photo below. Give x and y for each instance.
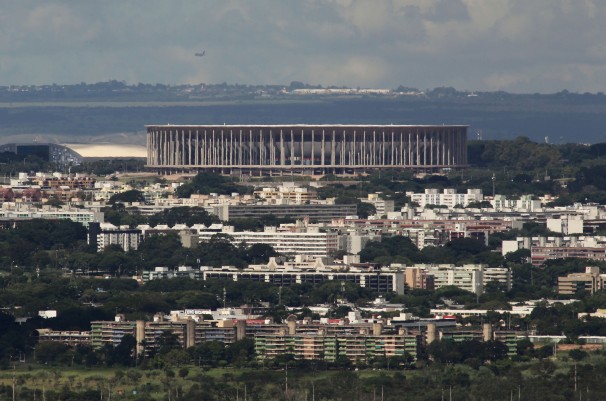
(542, 46)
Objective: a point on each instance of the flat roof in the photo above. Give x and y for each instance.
(307, 125)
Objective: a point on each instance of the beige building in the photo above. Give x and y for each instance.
(418, 278)
(591, 281)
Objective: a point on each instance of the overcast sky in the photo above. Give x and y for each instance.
(512, 45)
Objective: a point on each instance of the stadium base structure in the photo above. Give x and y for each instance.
(305, 149)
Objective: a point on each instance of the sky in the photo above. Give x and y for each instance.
(522, 46)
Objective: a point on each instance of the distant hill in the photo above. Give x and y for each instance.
(81, 113)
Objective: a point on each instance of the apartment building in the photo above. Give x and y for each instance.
(524, 203)
(28, 212)
(501, 275)
(161, 272)
(105, 234)
(466, 277)
(448, 197)
(590, 281)
(419, 278)
(316, 212)
(382, 206)
(287, 193)
(363, 346)
(378, 279)
(546, 248)
(298, 241)
(150, 335)
(70, 338)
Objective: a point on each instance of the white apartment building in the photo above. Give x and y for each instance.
(286, 194)
(105, 234)
(467, 277)
(381, 280)
(582, 241)
(524, 204)
(16, 212)
(448, 197)
(382, 206)
(501, 275)
(303, 241)
(566, 225)
(355, 242)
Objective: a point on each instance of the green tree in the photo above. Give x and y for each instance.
(129, 196)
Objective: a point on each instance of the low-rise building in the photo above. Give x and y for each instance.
(590, 281)
(466, 277)
(289, 241)
(103, 235)
(448, 197)
(162, 272)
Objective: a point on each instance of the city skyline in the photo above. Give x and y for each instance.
(540, 46)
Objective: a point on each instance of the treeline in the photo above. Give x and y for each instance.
(80, 300)
(62, 244)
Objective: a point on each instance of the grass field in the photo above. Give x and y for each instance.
(64, 383)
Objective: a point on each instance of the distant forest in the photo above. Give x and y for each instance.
(84, 111)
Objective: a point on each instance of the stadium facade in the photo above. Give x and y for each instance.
(307, 149)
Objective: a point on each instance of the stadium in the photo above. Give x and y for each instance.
(305, 149)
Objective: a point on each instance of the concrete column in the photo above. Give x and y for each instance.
(302, 143)
(198, 148)
(313, 147)
(409, 161)
(373, 159)
(190, 334)
(323, 148)
(167, 147)
(241, 147)
(282, 156)
(486, 332)
(343, 150)
(182, 150)
(250, 148)
(417, 158)
(333, 148)
(394, 148)
(231, 148)
(204, 149)
(147, 147)
(274, 150)
(383, 149)
(240, 330)
(364, 159)
(431, 333)
(178, 150)
(401, 148)
(356, 156)
(291, 321)
(173, 147)
(140, 337)
(292, 147)
(262, 150)
(431, 148)
(443, 147)
(425, 146)
(213, 149)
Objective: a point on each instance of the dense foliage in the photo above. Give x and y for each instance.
(206, 183)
